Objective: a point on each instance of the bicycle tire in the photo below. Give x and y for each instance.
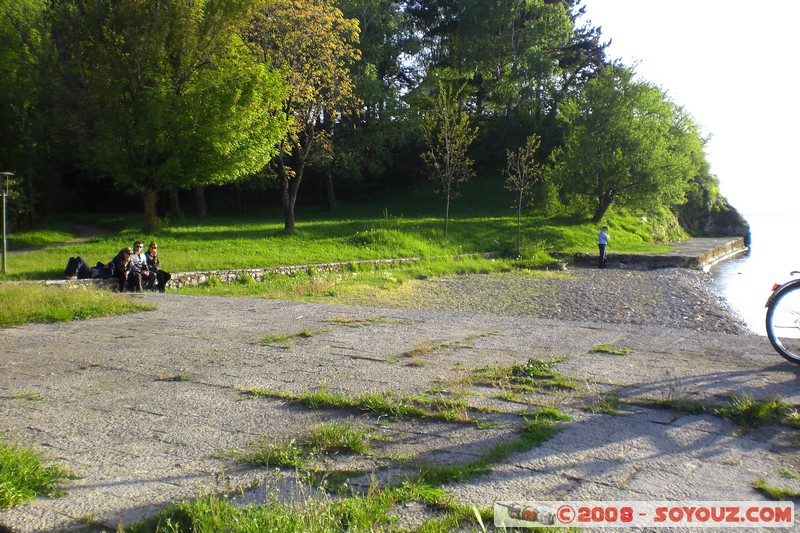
(783, 322)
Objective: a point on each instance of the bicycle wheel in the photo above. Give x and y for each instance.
(783, 323)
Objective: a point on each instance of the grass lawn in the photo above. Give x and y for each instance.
(355, 233)
(36, 303)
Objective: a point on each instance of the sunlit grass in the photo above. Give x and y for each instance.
(23, 475)
(37, 303)
(29, 239)
(258, 241)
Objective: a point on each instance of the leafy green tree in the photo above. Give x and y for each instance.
(311, 43)
(448, 134)
(21, 36)
(368, 149)
(522, 171)
(626, 144)
(164, 93)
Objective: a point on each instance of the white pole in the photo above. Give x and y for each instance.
(5, 240)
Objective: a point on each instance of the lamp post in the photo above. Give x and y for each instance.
(5, 195)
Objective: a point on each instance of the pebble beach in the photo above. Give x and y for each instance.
(669, 297)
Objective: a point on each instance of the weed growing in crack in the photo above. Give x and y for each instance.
(775, 493)
(605, 348)
(285, 340)
(23, 475)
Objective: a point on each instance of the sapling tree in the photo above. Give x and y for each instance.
(448, 135)
(521, 172)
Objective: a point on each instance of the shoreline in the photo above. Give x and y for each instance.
(670, 297)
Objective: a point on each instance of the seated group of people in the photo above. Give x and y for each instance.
(133, 268)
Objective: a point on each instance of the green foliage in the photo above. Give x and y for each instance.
(211, 282)
(285, 34)
(55, 234)
(523, 171)
(539, 426)
(339, 436)
(315, 512)
(531, 376)
(626, 144)
(166, 97)
(448, 136)
(23, 475)
(37, 303)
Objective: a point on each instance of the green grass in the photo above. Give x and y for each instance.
(325, 438)
(316, 512)
(37, 303)
(605, 348)
(355, 233)
(749, 412)
(23, 475)
(284, 340)
(744, 411)
(535, 375)
(57, 233)
(775, 493)
(539, 426)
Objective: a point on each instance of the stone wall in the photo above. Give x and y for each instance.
(186, 279)
(701, 260)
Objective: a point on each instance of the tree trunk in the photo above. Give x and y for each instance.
(288, 207)
(151, 220)
(289, 195)
(447, 212)
(519, 223)
(200, 202)
(331, 191)
(600, 212)
(174, 204)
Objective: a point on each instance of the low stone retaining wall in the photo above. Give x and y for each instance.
(700, 260)
(187, 279)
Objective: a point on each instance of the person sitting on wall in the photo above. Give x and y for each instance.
(140, 276)
(154, 265)
(122, 267)
(78, 268)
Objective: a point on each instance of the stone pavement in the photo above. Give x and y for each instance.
(146, 408)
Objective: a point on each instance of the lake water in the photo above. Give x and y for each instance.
(745, 283)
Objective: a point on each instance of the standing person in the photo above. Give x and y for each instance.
(154, 265)
(142, 276)
(602, 241)
(122, 266)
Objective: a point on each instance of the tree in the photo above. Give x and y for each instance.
(522, 170)
(626, 143)
(448, 134)
(164, 94)
(369, 148)
(311, 43)
(21, 35)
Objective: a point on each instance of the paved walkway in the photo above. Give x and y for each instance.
(145, 408)
(139, 439)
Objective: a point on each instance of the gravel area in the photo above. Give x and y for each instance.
(670, 297)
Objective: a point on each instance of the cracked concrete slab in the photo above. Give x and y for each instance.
(146, 408)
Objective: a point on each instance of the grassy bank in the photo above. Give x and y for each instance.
(189, 244)
(37, 303)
